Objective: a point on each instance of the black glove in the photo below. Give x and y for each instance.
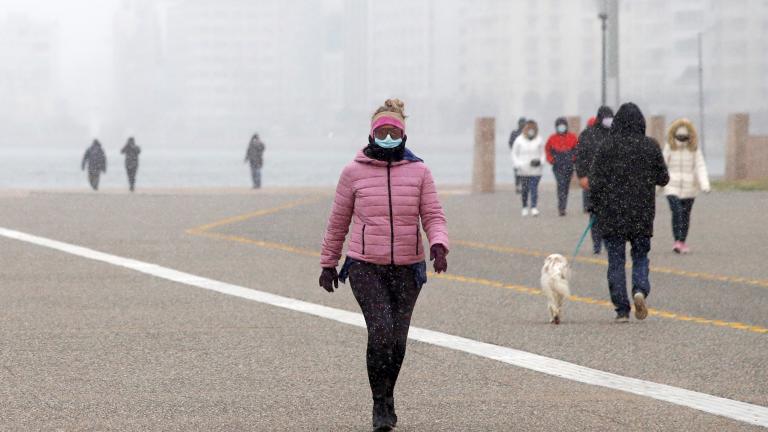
(437, 253)
(329, 279)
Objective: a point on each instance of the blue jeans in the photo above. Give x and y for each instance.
(563, 175)
(530, 185)
(617, 276)
(256, 176)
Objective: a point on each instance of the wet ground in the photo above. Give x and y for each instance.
(85, 345)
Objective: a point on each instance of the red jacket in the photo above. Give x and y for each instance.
(560, 148)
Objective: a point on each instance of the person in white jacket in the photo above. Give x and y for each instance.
(688, 176)
(528, 157)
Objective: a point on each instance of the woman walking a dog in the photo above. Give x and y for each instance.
(388, 194)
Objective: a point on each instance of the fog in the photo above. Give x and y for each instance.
(204, 76)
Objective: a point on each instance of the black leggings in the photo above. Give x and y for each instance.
(387, 296)
(681, 216)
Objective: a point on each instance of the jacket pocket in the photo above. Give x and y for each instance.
(363, 235)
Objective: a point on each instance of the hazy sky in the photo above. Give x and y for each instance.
(85, 37)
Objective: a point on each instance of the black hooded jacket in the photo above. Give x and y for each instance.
(627, 169)
(590, 141)
(131, 152)
(95, 159)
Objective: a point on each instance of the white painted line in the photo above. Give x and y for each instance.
(741, 411)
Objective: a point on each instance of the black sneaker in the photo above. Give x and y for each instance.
(381, 419)
(622, 318)
(390, 401)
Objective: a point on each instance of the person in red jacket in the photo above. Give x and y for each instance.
(561, 154)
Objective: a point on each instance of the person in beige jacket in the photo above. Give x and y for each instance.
(688, 176)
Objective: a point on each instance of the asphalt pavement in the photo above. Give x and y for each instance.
(85, 345)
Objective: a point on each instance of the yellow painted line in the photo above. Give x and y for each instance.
(255, 214)
(259, 243)
(604, 303)
(204, 232)
(603, 262)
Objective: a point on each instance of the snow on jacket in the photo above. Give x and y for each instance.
(526, 150)
(561, 149)
(626, 170)
(387, 204)
(687, 170)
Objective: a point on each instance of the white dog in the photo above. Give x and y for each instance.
(555, 277)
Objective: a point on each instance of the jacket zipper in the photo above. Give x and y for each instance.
(417, 239)
(391, 217)
(363, 239)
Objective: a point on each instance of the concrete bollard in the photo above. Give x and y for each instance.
(657, 128)
(736, 150)
(484, 167)
(574, 126)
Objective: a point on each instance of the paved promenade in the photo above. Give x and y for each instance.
(170, 327)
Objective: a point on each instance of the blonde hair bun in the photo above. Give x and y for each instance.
(394, 106)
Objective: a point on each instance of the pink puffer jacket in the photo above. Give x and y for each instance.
(384, 204)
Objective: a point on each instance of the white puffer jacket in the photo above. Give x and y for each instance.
(687, 169)
(524, 151)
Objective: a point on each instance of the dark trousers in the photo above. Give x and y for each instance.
(563, 175)
(256, 176)
(681, 216)
(617, 276)
(529, 185)
(597, 238)
(517, 181)
(93, 179)
(132, 176)
(387, 296)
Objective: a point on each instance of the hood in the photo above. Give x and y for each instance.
(628, 121)
(561, 121)
(693, 144)
(603, 112)
(408, 157)
(530, 125)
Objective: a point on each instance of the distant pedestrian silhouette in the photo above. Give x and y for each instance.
(131, 152)
(255, 155)
(97, 163)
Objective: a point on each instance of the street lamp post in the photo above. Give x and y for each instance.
(604, 18)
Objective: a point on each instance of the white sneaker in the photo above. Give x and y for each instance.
(535, 211)
(525, 211)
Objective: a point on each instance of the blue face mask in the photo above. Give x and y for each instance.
(388, 142)
(562, 128)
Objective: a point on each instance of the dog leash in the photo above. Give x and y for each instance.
(581, 240)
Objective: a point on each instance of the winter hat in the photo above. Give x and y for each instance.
(392, 113)
(561, 121)
(591, 121)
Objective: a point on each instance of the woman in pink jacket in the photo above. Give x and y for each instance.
(388, 194)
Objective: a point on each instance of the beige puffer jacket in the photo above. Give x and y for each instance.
(687, 169)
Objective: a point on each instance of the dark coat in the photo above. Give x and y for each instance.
(95, 158)
(626, 171)
(255, 153)
(131, 152)
(590, 141)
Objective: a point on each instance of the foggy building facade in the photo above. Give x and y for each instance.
(31, 107)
